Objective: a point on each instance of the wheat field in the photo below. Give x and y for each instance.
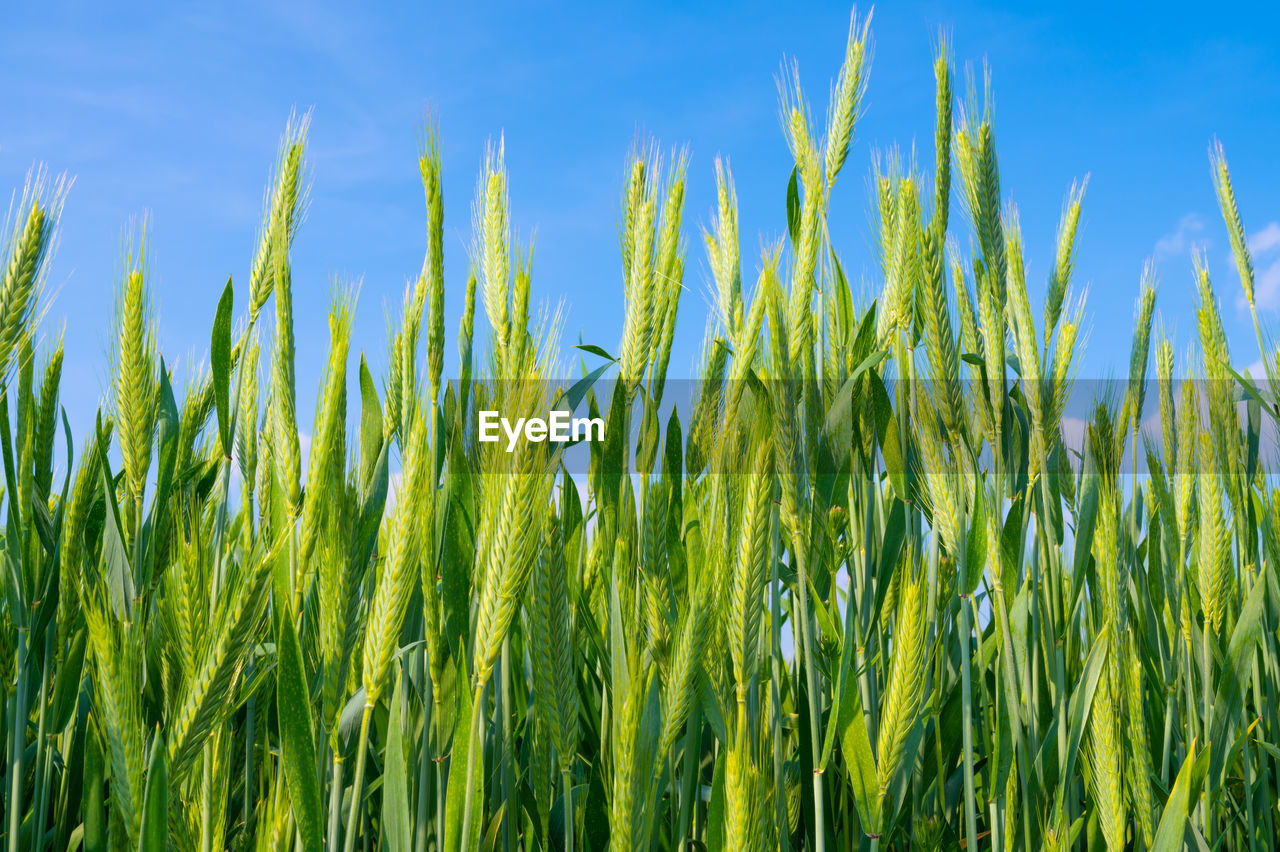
(851, 585)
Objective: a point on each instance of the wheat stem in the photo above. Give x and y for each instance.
(357, 781)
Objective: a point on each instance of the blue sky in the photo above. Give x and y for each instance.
(174, 111)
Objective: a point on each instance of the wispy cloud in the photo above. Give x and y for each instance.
(1181, 239)
(1266, 239)
(1267, 286)
(1264, 245)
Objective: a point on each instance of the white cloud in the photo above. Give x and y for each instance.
(1265, 248)
(1073, 433)
(1266, 239)
(1181, 239)
(1267, 286)
(394, 480)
